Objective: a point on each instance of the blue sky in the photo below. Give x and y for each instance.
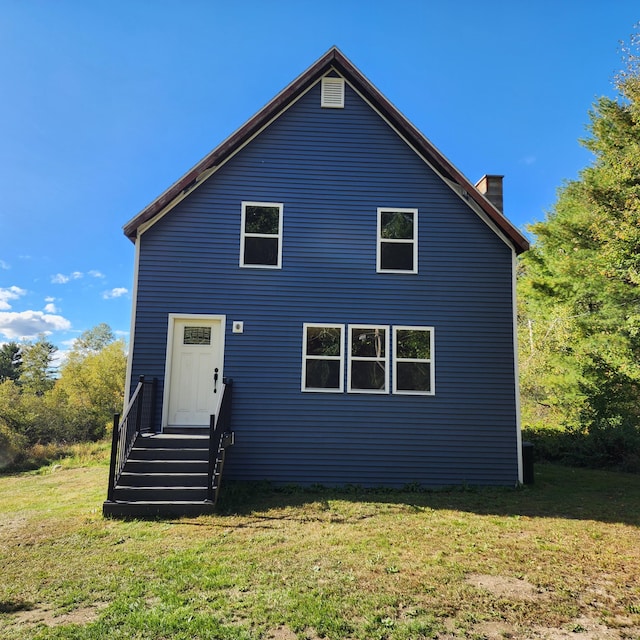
(105, 104)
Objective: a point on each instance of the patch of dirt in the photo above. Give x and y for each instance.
(504, 586)
(582, 628)
(11, 528)
(45, 615)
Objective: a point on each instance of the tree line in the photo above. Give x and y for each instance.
(579, 296)
(42, 404)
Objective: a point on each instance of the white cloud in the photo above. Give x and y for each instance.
(49, 299)
(51, 308)
(61, 278)
(12, 293)
(115, 293)
(29, 324)
(4, 265)
(96, 274)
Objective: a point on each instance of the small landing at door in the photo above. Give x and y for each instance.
(194, 373)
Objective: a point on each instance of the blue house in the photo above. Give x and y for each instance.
(330, 268)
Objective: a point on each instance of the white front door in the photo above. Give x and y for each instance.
(194, 370)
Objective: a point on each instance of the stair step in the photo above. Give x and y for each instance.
(186, 431)
(159, 494)
(166, 466)
(170, 441)
(164, 453)
(156, 509)
(128, 479)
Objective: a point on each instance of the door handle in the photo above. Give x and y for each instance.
(215, 381)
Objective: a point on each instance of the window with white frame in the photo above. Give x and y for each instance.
(413, 363)
(397, 240)
(261, 235)
(323, 357)
(368, 359)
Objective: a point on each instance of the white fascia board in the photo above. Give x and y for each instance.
(132, 327)
(516, 366)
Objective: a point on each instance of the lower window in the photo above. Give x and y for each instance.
(323, 357)
(413, 360)
(368, 359)
(371, 362)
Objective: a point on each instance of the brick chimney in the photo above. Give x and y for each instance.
(490, 187)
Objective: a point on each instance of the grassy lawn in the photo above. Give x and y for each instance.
(560, 559)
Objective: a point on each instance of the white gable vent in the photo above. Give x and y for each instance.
(332, 93)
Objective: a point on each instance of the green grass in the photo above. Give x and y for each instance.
(280, 564)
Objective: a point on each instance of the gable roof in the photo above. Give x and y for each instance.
(333, 59)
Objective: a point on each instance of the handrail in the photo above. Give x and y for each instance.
(125, 431)
(219, 428)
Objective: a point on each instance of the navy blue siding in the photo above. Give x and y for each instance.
(332, 169)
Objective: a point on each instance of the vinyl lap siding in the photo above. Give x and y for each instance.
(332, 169)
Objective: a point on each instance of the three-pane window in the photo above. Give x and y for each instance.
(261, 242)
(397, 240)
(368, 356)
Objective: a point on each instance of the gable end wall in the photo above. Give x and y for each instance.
(332, 169)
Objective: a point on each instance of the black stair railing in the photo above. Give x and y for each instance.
(138, 416)
(220, 436)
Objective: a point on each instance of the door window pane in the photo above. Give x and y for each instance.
(197, 335)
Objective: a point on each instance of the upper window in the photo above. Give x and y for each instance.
(261, 241)
(397, 240)
(323, 357)
(413, 360)
(368, 359)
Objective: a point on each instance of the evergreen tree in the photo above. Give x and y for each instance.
(38, 371)
(580, 317)
(10, 361)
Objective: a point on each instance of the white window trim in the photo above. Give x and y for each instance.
(244, 235)
(431, 361)
(353, 358)
(305, 357)
(413, 240)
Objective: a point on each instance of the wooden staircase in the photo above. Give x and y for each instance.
(164, 475)
(171, 474)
